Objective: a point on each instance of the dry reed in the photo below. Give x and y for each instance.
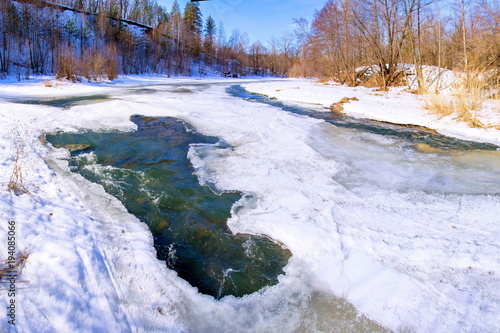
(17, 182)
(13, 268)
(466, 97)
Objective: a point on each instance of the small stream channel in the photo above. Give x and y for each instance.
(149, 172)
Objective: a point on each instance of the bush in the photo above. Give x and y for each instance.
(95, 64)
(67, 65)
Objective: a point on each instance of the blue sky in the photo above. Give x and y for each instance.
(261, 19)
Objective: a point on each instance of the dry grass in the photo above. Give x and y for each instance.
(466, 97)
(326, 79)
(47, 84)
(9, 269)
(17, 182)
(469, 99)
(339, 106)
(439, 104)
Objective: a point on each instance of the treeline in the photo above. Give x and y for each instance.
(99, 39)
(347, 35)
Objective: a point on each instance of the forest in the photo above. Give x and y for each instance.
(98, 39)
(348, 37)
(346, 40)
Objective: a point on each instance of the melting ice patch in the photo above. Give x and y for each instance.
(372, 161)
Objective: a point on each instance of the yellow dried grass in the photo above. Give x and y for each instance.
(17, 181)
(466, 98)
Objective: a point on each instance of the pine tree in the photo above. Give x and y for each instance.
(193, 23)
(210, 28)
(193, 18)
(209, 42)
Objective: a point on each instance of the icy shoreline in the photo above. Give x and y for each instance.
(394, 106)
(423, 261)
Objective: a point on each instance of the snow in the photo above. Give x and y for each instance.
(377, 229)
(395, 105)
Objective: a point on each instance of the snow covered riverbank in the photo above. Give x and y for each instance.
(365, 242)
(394, 106)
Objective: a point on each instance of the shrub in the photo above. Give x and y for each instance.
(112, 67)
(95, 64)
(67, 65)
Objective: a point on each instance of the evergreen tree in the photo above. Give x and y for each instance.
(210, 28)
(193, 24)
(193, 18)
(209, 42)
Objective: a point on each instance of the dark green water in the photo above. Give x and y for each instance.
(149, 172)
(408, 134)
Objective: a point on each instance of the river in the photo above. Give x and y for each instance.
(341, 224)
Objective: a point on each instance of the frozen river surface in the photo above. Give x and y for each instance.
(388, 228)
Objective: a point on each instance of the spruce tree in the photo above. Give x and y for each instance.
(209, 41)
(193, 18)
(210, 29)
(194, 24)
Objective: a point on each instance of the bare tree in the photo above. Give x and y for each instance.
(257, 53)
